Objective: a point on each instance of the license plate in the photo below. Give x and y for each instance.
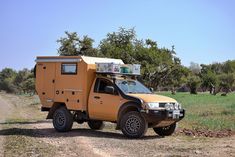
(176, 114)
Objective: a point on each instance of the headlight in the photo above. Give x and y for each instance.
(179, 106)
(169, 106)
(173, 106)
(176, 107)
(152, 105)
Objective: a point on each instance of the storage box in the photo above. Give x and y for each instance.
(108, 67)
(133, 69)
(130, 69)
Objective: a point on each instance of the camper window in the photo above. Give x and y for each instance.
(68, 68)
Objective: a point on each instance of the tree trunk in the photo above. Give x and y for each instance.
(173, 92)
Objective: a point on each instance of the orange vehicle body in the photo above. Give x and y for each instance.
(70, 86)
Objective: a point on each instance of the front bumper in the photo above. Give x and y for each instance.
(157, 116)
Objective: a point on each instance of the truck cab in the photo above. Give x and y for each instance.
(91, 92)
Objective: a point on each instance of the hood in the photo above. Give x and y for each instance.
(153, 98)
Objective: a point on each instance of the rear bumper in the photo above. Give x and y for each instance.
(157, 116)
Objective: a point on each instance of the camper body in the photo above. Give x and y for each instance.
(71, 89)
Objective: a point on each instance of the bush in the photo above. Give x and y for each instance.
(8, 86)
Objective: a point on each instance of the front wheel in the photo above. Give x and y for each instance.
(133, 125)
(165, 131)
(62, 120)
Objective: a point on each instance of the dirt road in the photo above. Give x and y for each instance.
(5, 109)
(24, 132)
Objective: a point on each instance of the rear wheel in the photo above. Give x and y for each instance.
(96, 124)
(62, 119)
(133, 125)
(165, 131)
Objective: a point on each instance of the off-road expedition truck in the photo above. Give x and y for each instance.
(93, 90)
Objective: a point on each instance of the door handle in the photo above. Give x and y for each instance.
(96, 97)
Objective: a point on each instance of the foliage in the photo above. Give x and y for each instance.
(226, 82)
(72, 45)
(193, 83)
(17, 82)
(7, 77)
(209, 81)
(218, 76)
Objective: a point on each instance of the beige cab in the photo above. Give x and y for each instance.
(71, 89)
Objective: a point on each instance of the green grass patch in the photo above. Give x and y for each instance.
(206, 111)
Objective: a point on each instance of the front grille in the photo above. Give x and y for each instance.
(162, 104)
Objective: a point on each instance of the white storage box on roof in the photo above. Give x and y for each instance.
(136, 69)
(108, 67)
(130, 69)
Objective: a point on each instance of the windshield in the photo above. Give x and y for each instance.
(132, 86)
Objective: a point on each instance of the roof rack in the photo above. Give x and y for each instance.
(114, 75)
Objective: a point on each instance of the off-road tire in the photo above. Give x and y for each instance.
(62, 120)
(96, 124)
(165, 131)
(133, 125)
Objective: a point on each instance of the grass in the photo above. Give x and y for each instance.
(17, 144)
(205, 111)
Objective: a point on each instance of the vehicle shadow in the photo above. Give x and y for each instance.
(75, 132)
(25, 122)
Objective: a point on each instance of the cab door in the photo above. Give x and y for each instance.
(102, 105)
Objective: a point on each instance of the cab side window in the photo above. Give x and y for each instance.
(101, 84)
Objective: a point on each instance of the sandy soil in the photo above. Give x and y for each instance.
(82, 141)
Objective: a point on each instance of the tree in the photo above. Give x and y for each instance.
(20, 78)
(72, 45)
(177, 77)
(119, 45)
(209, 81)
(86, 47)
(29, 85)
(226, 82)
(218, 76)
(69, 46)
(7, 77)
(193, 83)
(228, 67)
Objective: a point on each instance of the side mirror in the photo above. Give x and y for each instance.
(109, 89)
(151, 89)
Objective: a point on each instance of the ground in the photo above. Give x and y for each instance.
(25, 132)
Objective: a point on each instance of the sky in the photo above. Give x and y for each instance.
(203, 31)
